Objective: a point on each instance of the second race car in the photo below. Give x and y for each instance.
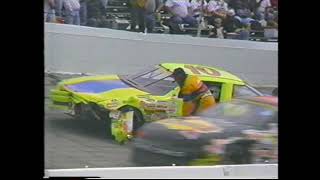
(241, 131)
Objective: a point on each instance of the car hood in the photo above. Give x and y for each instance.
(101, 87)
(188, 132)
(203, 125)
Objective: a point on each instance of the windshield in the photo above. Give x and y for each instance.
(243, 111)
(156, 81)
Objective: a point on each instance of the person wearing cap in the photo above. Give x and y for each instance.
(196, 95)
(218, 30)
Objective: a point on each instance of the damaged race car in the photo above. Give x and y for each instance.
(242, 131)
(126, 102)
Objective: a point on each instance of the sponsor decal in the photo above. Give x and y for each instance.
(193, 125)
(158, 105)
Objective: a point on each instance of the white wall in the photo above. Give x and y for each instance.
(71, 48)
(245, 171)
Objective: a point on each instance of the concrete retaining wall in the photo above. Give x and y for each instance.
(71, 48)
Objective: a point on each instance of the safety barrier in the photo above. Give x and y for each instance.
(250, 171)
(83, 49)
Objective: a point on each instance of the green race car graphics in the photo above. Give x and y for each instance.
(126, 102)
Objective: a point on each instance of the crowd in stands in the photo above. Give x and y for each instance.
(221, 18)
(76, 12)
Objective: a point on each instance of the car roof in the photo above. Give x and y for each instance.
(270, 100)
(200, 70)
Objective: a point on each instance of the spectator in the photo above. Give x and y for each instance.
(272, 24)
(274, 4)
(243, 16)
(104, 4)
(143, 14)
(95, 12)
(181, 14)
(83, 12)
(244, 5)
(244, 13)
(230, 24)
(252, 5)
(135, 8)
(244, 31)
(217, 9)
(269, 17)
(196, 7)
(243, 8)
(59, 11)
(218, 30)
(271, 14)
(234, 4)
(46, 8)
(151, 7)
(58, 7)
(49, 11)
(70, 11)
(257, 26)
(262, 6)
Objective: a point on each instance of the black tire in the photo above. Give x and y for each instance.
(79, 115)
(138, 119)
(238, 152)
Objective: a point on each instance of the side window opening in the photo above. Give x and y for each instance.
(215, 89)
(243, 90)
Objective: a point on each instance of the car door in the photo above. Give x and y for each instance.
(160, 107)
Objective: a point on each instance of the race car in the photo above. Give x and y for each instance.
(149, 95)
(241, 131)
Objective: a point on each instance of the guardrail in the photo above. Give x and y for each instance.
(250, 171)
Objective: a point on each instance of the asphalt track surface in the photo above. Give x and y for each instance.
(70, 143)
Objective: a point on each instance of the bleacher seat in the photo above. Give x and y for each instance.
(119, 17)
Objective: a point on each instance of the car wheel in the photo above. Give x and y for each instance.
(238, 152)
(138, 120)
(78, 110)
(84, 117)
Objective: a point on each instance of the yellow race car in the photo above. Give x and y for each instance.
(126, 102)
